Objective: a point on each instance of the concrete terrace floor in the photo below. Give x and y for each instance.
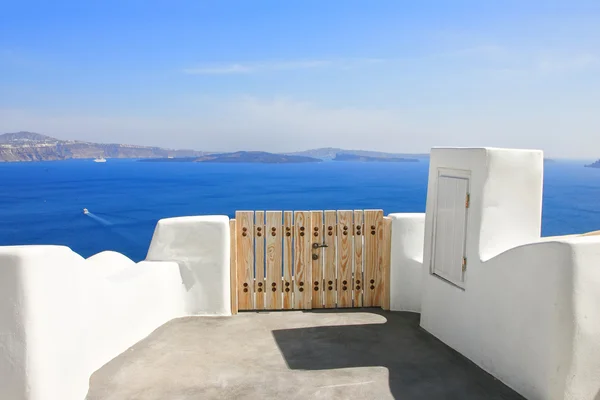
(334, 354)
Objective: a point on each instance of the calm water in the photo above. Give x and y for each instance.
(41, 203)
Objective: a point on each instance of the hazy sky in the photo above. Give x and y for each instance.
(288, 75)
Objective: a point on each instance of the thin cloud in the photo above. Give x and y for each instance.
(505, 61)
(257, 67)
(569, 63)
(490, 52)
(217, 70)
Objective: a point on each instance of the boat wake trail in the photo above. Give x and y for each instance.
(118, 217)
(113, 227)
(99, 219)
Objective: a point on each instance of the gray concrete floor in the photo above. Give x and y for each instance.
(355, 354)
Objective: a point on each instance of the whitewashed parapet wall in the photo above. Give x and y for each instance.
(200, 246)
(526, 310)
(62, 317)
(406, 266)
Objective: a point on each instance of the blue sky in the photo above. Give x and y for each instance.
(288, 75)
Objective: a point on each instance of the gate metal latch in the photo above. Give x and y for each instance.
(317, 245)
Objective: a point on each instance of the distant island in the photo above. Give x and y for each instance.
(361, 158)
(261, 157)
(594, 164)
(274, 158)
(331, 153)
(29, 146)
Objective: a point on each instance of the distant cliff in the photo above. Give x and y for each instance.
(594, 165)
(29, 146)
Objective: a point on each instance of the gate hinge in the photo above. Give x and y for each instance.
(468, 200)
(464, 264)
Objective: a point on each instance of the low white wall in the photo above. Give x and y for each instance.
(13, 316)
(62, 317)
(583, 378)
(48, 310)
(128, 302)
(73, 316)
(531, 320)
(406, 274)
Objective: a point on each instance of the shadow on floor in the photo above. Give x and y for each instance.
(419, 365)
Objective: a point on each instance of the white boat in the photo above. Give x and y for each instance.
(100, 159)
(85, 211)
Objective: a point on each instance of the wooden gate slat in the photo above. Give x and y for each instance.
(344, 259)
(302, 260)
(259, 255)
(329, 265)
(274, 273)
(317, 265)
(233, 266)
(358, 258)
(386, 253)
(379, 272)
(245, 259)
(373, 235)
(288, 284)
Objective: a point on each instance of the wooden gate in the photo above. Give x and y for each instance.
(309, 259)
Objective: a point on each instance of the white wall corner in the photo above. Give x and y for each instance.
(511, 200)
(200, 245)
(406, 275)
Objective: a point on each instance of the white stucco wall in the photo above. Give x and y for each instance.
(13, 315)
(406, 274)
(48, 310)
(200, 245)
(62, 317)
(147, 293)
(72, 316)
(528, 313)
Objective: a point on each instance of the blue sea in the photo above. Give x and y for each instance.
(42, 202)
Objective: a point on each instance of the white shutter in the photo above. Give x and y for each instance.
(450, 228)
